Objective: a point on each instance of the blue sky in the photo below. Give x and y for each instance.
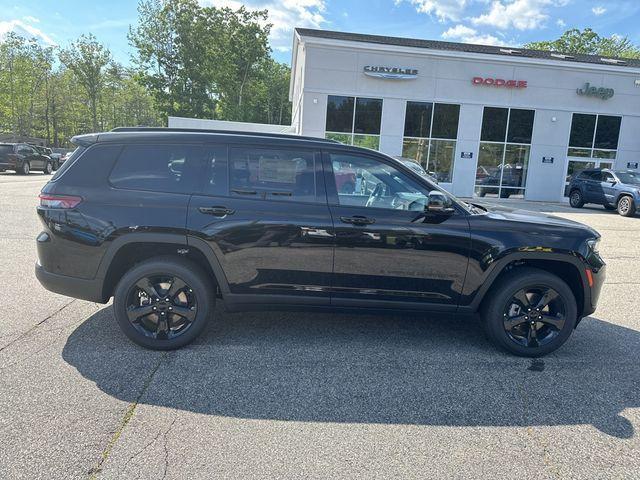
(504, 22)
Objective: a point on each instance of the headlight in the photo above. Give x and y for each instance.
(593, 244)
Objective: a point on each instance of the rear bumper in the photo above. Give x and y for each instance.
(90, 290)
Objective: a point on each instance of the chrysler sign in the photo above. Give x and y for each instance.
(499, 82)
(391, 73)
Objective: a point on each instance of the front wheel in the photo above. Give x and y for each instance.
(626, 206)
(25, 169)
(48, 168)
(164, 303)
(530, 312)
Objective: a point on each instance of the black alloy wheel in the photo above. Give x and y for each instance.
(164, 303)
(161, 307)
(529, 312)
(534, 316)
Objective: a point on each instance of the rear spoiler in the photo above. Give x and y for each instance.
(85, 140)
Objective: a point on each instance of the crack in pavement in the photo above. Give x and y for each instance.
(34, 327)
(166, 450)
(128, 415)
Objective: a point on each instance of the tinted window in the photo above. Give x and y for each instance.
(70, 160)
(607, 132)
(445, 121)
(417, 119)
(631, 178)
(215, 157)
(607, 177)
(339, 114)
(582, 127)
(273, 174)
(158, 168)
(368, 115)
(494, 124)
(520, 126)
(366, 182)
(4, 149)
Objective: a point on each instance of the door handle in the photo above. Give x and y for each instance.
(216, 211)
(357, 220)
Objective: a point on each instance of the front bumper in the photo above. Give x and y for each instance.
(599, 276)
(83, 289)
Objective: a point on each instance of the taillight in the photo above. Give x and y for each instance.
(58, 201)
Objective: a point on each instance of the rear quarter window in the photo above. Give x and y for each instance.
(159, 168)
(6, 149)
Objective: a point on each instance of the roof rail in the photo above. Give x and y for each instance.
(223, 132)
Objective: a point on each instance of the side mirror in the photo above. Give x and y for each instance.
(439, 203)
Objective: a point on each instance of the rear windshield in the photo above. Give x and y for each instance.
(4, 149)
(70, 160)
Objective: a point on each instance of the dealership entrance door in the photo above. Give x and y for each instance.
(575, 165)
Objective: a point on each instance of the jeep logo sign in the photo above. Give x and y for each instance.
(601, 92)
(391, 73)
(499, 82)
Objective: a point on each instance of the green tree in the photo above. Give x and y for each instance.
(209, 62)
(88, 59)
(589, 42)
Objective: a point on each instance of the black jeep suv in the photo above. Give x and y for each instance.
(23, 158)
(170, 221)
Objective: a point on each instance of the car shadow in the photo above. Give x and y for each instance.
(368, 369)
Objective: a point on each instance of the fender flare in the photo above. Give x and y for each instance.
(500, 265)
(173, 238)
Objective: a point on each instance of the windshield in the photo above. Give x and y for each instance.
(631, 178)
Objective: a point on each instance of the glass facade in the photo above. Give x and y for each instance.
(430, 134)
(503, 157)
(354, 120)
(594, 136)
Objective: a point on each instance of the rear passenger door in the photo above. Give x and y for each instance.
(264, 214)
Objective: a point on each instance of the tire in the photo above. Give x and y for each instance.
(626, 206)
(551, 329)
(198, 296)
(48, 168)
(25, 169)
(575, 199)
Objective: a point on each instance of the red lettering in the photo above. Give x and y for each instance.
(499, 82)
(477, 80)
(522, 84)
(488, 81)
(511, 84)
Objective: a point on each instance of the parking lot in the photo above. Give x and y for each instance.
(309, 395)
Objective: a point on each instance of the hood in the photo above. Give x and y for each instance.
(498, 212)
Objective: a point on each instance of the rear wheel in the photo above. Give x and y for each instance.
(575, 199)
(626, 206)
(530, 312)
(163, 303)
(48, 168)
(25, 169)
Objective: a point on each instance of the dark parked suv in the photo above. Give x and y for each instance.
(614, 189)
(23, 158)
(170, 221)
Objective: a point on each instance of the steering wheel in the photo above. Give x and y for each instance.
(376, 193)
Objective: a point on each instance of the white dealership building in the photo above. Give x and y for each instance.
(484, 120)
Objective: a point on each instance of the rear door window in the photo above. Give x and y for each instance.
(275, 174)
(6, 149)
(159, 168)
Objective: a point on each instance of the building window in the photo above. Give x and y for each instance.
(503, 159)
(430, 133)
(354, 120)
(594, 136)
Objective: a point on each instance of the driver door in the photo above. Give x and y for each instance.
(389, 253)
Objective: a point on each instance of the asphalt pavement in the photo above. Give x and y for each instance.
(310, 395)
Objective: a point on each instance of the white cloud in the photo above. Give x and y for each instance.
(466, 34)
(31, 19)
(443, 10)
(599, 10)
(285, 15)
(518, 14)
(561, 23)
(24, 29)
